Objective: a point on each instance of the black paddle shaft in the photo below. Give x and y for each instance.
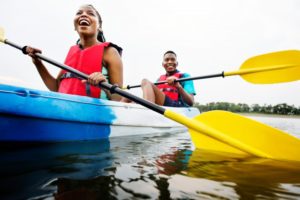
(105, 85)
(182, 80)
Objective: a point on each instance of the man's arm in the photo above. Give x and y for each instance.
(186, 97)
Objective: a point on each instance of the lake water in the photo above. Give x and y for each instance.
(162, 166)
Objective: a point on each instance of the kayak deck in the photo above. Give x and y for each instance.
(35, 115)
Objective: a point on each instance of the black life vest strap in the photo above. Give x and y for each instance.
(71, 75)
(169, 90)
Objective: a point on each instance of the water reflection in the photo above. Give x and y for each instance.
(141, 167)
(28, 170)
(216, 175)
(133, 174)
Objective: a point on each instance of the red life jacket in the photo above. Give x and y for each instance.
(88, 60)
(170, 91)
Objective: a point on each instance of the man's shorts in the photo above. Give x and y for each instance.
(171, 103)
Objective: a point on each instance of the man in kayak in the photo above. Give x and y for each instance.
(91, 55)
(174, 94)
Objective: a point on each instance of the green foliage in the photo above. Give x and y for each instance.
(282, 109)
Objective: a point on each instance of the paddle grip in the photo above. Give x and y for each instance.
(24, 50)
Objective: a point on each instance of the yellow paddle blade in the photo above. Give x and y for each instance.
(276, 67)
(2, 37)
(212, 131)
(273, 142)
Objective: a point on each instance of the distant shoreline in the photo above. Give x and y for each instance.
(279, 110)
(270, 115)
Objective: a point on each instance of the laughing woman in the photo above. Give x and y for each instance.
(91, 55)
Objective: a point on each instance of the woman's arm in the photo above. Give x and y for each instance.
(48, 79)
(114, 65)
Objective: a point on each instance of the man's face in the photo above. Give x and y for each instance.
(170, 62)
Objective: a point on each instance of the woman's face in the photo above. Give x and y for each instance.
(86, 21)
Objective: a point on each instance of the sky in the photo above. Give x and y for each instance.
(209, 36)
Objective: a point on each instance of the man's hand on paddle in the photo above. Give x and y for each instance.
(171, 81)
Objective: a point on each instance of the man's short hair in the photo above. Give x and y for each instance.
(172, 52)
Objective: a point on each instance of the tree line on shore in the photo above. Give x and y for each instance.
(282, 109)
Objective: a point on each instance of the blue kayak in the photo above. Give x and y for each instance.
(43, 116)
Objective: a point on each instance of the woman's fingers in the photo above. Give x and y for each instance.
(95, 78)
(32, 51)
